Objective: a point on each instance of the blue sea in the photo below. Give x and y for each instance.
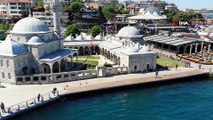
(177, 101)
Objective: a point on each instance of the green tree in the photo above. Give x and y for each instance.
(76, 6)
(188, 16)
(39, 3)
(123, 11)
(110, 11)
(95, 30)
(48, 8)
(66, 9)
(72, 30)
(5, 28)
(170, 14)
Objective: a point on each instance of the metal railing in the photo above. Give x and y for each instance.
(33, 102)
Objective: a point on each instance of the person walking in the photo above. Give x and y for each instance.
(39, 97)
(3, 107)
(156, 74)
(199, 66)
(176, 67)
(54, 91)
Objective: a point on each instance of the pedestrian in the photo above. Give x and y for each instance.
(3, 108)
(199, 66)
(156, 74)
(39, 97)
(54, 90)
(65, 87)
(176, 67)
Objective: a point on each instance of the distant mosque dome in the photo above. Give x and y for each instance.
(129, 32)
(10, 47)
(30, 25)
(35, 40)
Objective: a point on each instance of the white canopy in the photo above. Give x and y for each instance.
(148, 16)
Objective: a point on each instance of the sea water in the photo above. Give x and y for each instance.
(177, 101)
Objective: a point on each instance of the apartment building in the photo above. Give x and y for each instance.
(14, 9)
(47, 17)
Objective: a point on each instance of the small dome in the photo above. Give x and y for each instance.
(98, 37)
(35, 40)
(79, 37)
(68, 38)
(144, 49)
(12, 48)
(129, 31)
(132, 49)
(30, 25)
(89, 37)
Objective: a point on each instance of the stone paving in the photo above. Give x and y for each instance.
(134, 80)
(13, 94)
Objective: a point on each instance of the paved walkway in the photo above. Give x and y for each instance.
(14, 94)
(134, 80)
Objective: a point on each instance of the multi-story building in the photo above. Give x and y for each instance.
(170, 7)
(88, 17)
(106, 2)
(14, 9)
(152, 3)
(47, 17)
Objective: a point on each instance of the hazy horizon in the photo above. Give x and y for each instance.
(195, 4)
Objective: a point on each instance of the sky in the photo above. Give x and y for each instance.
(195, 4)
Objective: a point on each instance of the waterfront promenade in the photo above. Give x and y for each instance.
(127, 80)
(12, 94)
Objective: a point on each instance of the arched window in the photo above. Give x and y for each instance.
(8, 63)
(2, 74)
(1, 62)
(9, 76)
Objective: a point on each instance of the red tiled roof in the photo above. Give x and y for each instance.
(14, 1)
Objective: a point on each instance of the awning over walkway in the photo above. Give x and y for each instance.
(57, 55)
(174, 41)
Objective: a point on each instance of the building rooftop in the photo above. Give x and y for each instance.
(30, 25)
(128, 32)
(12, 48)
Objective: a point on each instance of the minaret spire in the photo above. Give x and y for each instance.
(56, 16)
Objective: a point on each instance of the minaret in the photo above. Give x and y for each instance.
(56, 16)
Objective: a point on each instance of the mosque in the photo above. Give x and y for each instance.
(32, 52)
(126, 48)
(32, 48)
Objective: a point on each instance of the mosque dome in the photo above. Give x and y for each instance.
(132, 49)
(144, 49)
(129, 31)
(35, 40)
(30, 25)
(79, 37)
(12, 48)
(98, 37)
(68, 38)
(89, 37)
